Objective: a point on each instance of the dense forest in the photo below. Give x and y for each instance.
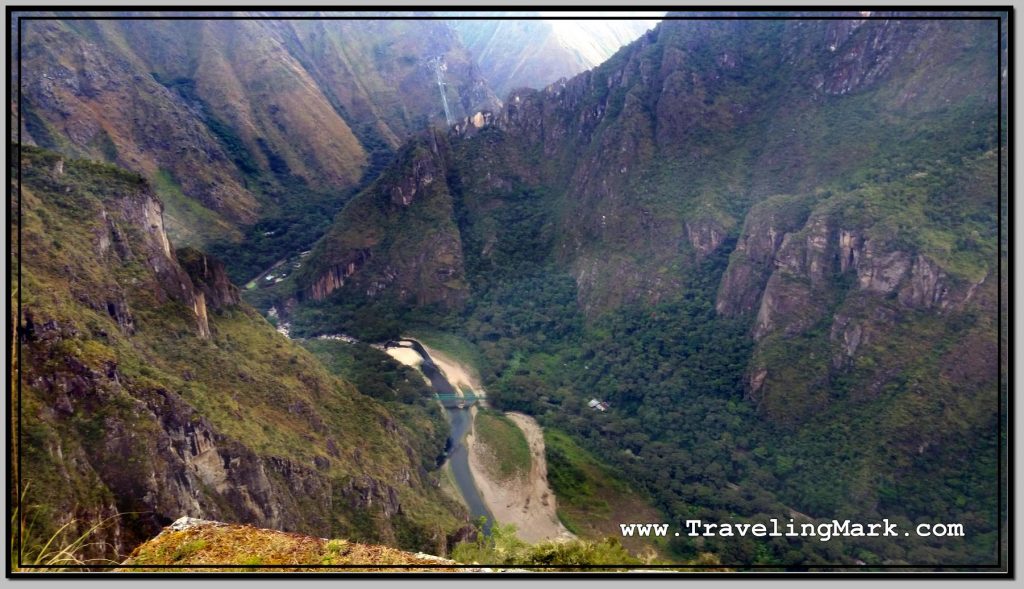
(744, 269)
(679, 425)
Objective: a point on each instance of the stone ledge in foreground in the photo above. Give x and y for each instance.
(191, 543)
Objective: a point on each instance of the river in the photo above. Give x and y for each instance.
(460, 421)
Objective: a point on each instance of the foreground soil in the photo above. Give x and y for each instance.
(199, 545)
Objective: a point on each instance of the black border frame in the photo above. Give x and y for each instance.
(1000, 570)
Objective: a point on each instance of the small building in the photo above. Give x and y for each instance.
(598, 405)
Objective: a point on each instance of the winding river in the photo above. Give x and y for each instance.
(460, 421)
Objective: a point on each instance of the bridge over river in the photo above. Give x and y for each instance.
(461, 421)
(456, 401)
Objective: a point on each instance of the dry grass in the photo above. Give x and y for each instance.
(225, 544)
(58, 551)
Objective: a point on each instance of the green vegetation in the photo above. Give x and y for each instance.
(41, 131)
(62, 549)
(505, 442)
(187, 219)
(234, 145)
(593, 497)
(503, 548)
(295, 214)
(139, 366)
(106, 146)
(589, 278)
(679, 427)
(374, 219)
(373, 372)
(298, 218)
(450, 344)
(402, 389)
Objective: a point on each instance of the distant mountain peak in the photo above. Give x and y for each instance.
(534, 52)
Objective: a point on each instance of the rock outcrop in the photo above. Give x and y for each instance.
(396, 239)
(810, 272)
(151, 390)
(209, 275)
(189, 541)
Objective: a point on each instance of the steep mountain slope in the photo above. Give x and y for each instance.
(655, 158)
(90, 99)
(402, 228)
(247, 119)
(534, 53)
(149, 391)
(384, 74)
(763, 242)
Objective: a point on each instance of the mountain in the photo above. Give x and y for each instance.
(150, 391)
(248, 127)
(536, 52)
(770, 245)
(385, 73)
(748, 268)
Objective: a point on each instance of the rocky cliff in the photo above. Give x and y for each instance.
(826, 190)
(399, 238)
(149, 391)
(656, 159)
(852, 280)
(233, 118)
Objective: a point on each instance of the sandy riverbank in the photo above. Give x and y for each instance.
(409, 357)
(528, 502)
(458, 374)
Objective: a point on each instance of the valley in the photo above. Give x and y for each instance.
(484, 289)
(448, 383)
(486, 493)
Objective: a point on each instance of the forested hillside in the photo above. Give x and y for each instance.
(770, 246)
(253, 130)
(751, 266)
(149, 390)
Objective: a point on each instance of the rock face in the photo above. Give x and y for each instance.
(753, 259)
(848, 283)
(651, 162)
(150, 389)
(704, 236)
(397, 239)
(808, 260)
(188, 103)
(208, 274)
(138, 212)
(334, 277)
